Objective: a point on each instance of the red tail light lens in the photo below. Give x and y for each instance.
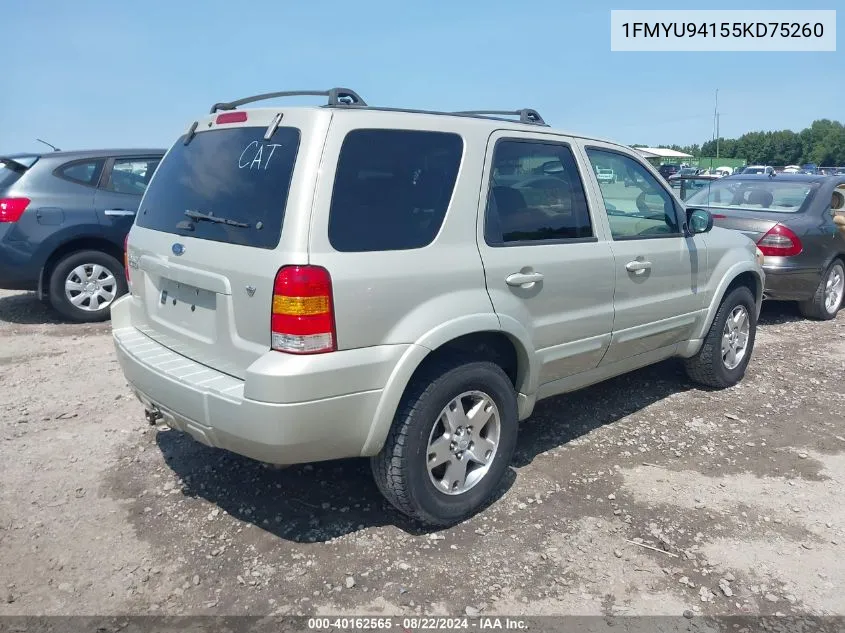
(231, 117)
(11, 209)
(126, 258)
(780, 241)
(302, 320)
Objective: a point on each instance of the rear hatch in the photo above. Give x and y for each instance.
(226, 208)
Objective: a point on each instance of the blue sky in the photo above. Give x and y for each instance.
(101, 73)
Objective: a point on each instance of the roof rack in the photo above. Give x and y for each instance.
(337, 97)
(526, 115)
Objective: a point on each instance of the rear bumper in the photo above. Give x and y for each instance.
(17, 271)
(791, 284)
(211, 406)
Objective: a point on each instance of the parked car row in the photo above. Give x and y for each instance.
(315, 283)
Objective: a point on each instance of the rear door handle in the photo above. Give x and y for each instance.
(637, 266)
(119, 212)
(523, 279)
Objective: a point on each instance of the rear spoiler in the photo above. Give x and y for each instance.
(19, 163)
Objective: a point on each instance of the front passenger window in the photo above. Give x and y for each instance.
(637, 205)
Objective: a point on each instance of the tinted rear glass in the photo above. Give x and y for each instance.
(231, 174)
(755, 195)
(392, 189)
(12, 169)
(9, 175)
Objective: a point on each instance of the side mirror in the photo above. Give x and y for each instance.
(699, 221)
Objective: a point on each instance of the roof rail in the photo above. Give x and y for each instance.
(337, 97)
(526, 115)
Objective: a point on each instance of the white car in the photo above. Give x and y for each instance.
(605, 175)
(759, 169)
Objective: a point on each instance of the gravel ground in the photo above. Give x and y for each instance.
(643, 495)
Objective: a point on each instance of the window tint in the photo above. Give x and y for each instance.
(535, 194)
(84, 172)
(9, 174)
(771, 195)
(392, 189)
(637, 206)
(232, 174)
(132, 175)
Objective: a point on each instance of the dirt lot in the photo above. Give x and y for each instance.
(741, 491)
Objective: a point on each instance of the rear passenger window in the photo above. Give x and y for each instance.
(132, 175)
(83, 172)
(536, 195)
(392, 189)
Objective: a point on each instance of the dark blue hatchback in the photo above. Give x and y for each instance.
(64, 217)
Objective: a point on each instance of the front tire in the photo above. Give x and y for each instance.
(84, 284)
(450, 444)
(726, 351)
(827, 299)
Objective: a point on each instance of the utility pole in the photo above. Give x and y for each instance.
(716, 125)
(717, 135)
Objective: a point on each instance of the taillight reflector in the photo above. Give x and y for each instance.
(302, 319)
(231, 117)
(780, 241)
(11, 209)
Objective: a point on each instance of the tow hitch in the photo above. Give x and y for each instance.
(153, 415)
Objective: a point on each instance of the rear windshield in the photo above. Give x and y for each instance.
(232, 175)
(754, 195)
(12, 170)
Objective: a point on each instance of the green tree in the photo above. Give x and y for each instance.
(822, 143)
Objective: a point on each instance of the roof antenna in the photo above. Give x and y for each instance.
(55, 149)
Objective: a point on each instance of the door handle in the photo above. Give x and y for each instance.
(121, 212)
(637, 266)
(523, 279)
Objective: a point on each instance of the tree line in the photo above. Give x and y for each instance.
(823, 143)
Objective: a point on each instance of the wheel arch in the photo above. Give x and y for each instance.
(70, 246)
(740, 274)
(477, 337)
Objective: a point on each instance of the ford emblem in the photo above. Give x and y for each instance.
(177, 249)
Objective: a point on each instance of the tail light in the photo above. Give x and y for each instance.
(11, 209)
(780, 241)
(126, 259)
(302, 321)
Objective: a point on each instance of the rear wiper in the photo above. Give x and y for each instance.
(196, 215)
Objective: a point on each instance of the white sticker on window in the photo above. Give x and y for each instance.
(257, 155)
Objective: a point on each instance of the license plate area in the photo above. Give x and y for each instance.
(187, 307)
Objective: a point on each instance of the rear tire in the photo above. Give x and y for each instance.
(84, 285)
(714, 365)
(827, 299)
(438, 464)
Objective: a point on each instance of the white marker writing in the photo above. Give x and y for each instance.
(240, 163)
(255, 162)
(274, 146)
(257, 158)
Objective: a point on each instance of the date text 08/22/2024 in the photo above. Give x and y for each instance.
(417, 623)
